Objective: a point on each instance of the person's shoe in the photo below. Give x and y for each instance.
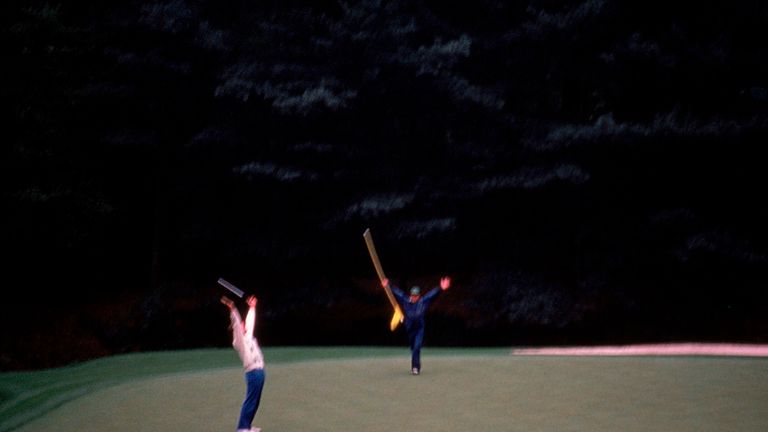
(414, 371)
(255, 429)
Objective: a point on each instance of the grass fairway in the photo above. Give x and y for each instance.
(459, 390)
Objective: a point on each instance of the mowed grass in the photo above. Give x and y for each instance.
(26, 396)
(348, 389)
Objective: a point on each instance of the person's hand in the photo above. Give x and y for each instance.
(384, 282)
(227, 302)
(252, 300)
(445, 283)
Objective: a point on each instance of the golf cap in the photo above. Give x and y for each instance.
(415, 290)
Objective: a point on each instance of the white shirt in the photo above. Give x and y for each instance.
(244, 341)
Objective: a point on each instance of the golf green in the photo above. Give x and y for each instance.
(453, 393)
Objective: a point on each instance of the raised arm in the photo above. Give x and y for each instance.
(250, 317)
(397, 292)
(235, 320)
(445, 283)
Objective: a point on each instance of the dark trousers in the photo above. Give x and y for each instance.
(254, 383)
(415, 338)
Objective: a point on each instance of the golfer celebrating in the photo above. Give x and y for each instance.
(414, 307)
(244, 341)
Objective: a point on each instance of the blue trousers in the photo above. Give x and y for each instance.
(416, 338)
(254, 383)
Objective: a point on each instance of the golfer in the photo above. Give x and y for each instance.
(414, 307)
(244, 341)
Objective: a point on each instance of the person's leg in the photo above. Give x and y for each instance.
(416, 349)
(254, 381)
(412, 345)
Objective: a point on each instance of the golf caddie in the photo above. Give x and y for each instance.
(414, 306)
(247, 347)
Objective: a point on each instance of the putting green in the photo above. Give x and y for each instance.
(454, 393)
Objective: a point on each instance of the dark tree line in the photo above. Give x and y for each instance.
(589, 171)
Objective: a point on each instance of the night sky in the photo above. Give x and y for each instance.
(586, 171)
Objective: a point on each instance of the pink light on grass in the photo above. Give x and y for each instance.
(676, 349)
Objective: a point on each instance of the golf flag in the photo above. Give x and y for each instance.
(397, 317)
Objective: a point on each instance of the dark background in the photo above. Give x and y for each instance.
(586, 171)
